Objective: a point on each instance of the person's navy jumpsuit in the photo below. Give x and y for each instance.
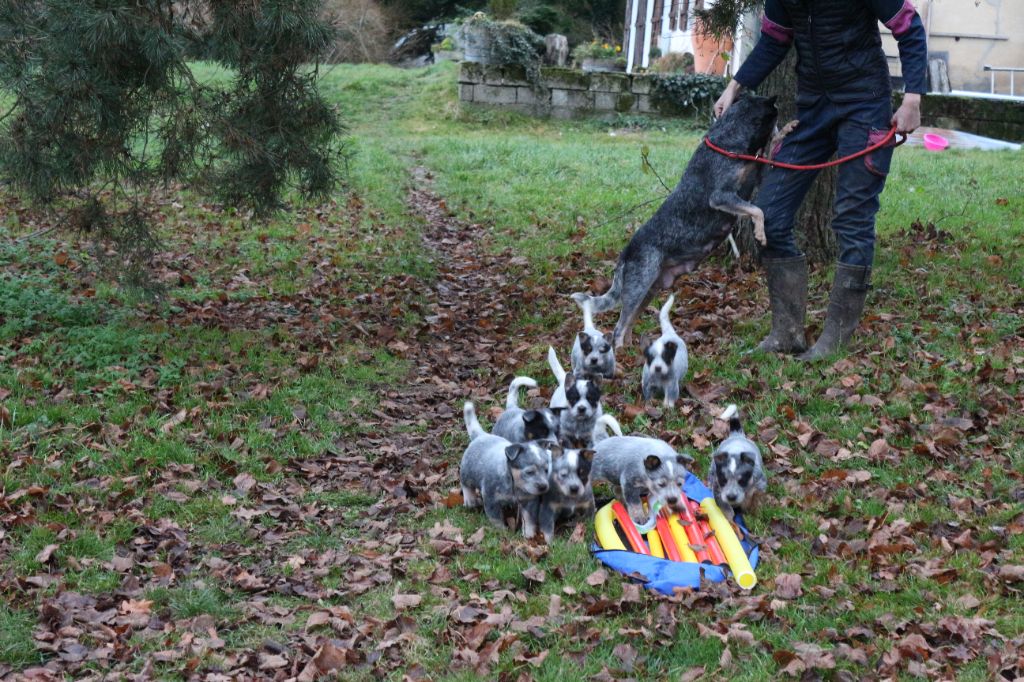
(843, 105)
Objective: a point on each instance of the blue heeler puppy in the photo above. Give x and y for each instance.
(737, 475)
(592, 352)
(569, 491)
(638, 467)
(578, 420)
(665, 361)
(696, 217)
(518, 425)
(499, 474)
(577, 403)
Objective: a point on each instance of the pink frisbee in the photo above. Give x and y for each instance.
(935, 143)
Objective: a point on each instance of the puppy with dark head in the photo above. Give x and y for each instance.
(498, 474)
(665, 361)
(696, 217)
(518, 425)
(592, 352)
(578, 419)
(569, 491)
(737, 475)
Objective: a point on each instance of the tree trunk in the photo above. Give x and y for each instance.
(814, 234)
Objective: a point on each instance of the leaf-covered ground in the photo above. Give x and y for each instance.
(253, 478)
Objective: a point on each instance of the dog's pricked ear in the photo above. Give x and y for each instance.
(609, 338)
(670, 351)
(514, 450)
(684, 459)
(747, 458)
(586, 344)
(652, 462)
(583, 466)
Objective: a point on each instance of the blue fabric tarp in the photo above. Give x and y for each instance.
(664, 575)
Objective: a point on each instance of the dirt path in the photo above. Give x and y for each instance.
(456, 355)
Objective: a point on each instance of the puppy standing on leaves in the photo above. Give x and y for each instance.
(499, 474)
(665, 361)
(569, 490)
(737, 475)
(518, 425)
(592, 352)
(577, 402)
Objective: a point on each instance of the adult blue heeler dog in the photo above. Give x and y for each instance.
(696, 217)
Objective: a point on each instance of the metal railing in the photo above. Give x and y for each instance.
(1005, 69)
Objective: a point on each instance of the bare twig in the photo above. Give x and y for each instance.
(37, 233)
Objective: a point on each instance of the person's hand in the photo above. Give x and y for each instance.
(726, 100)
(907, 118)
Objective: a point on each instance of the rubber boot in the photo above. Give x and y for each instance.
(787, 295)
(845, 305)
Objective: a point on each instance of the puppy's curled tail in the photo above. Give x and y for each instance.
(556, 366)
(606, 301)
(513, 390)
(609, 422)
(663, 316)
(586, 303)
(732, 414)
(472, 423)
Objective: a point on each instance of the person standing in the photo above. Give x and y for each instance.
(843, 105)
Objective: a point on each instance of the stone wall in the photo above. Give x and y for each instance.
(566, 93)
(999, 118)
(562, 93)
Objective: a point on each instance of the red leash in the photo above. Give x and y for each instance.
(814, 166)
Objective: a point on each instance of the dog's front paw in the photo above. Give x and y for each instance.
(759, 233)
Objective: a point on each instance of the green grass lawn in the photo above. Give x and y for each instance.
(228, 479)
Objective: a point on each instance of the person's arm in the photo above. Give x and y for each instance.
(900, 17)
(771, 49)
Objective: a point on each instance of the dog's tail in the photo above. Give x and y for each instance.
(513, 390)
(733, 416)
(663, 317)
(606, 421)
(472, 423)
(556, 366)
(606, 301)
(586, 303)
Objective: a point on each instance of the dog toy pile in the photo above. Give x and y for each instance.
(680, 547)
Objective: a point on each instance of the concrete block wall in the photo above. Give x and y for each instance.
(999, 118)
(562, 93)
(566, 93)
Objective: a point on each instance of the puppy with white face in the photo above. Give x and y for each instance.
(665, 361)
(578, 419)
(569, 491)
(592, 351)
(518, 425)
(737, 474)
